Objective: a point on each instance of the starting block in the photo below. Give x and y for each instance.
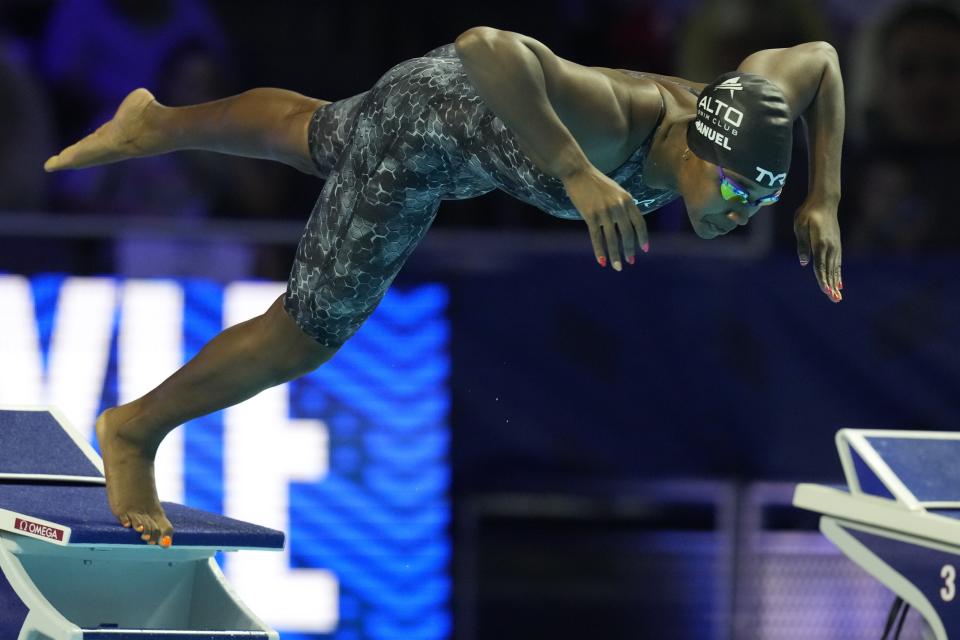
(899, 516)
(70, 571)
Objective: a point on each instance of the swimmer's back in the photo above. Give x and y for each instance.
(428, 107)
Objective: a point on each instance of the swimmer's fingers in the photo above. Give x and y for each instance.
(834, 271)
(827, 272)
(838, 262)
(827, 257)
(627, 235)
(638, 230)
(820, 267)
(603, 236)
(818, 236)
(603, 204)
(802, 231)
(609, 225)
(804, 239)
(625, 217)
(596, 239)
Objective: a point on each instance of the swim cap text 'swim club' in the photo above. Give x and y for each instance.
(743, 123)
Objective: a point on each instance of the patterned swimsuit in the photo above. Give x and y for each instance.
(389, 156)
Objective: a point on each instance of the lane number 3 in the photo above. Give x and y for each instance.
(949, 589)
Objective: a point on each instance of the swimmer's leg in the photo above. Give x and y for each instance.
(237, 364)
(264, 123)
(371, 214)
(362, 230)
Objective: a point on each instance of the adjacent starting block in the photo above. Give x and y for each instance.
(69, 571)
(899, 516)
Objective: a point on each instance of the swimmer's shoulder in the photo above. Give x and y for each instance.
(668, 82)
(649, 94)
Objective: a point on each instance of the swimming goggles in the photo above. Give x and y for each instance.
(730, 190)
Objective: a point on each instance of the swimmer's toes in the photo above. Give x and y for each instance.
(166, 537)
(66, 159)
(159, 527)
(149, 530)
(137, 523)
(164, 531)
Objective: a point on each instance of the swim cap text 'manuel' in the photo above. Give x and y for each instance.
(712, 135)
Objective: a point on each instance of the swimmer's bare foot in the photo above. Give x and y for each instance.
(131, 488)
(127, 135)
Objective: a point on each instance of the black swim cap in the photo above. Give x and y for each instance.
(743, 123)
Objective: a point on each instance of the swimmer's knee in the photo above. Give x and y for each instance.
(310, 360)
(307, 356)
(301, 352)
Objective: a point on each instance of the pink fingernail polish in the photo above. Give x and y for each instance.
(646, 247)
(631, 259)
(603, 261)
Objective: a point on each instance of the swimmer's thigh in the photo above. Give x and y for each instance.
(370, 216)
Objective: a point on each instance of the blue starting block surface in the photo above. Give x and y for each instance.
(65, 560)
(35, 445)
(917, 469)
(63, 514)
(52, 488)
(899, 516)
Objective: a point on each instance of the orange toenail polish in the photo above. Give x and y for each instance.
(166, 541)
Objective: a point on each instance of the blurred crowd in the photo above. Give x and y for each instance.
(65, 65)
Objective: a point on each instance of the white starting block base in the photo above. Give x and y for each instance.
(69, 571)
(899, 517)
(85, 593)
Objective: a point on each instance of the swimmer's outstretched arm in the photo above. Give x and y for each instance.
(262, 123)
(809, 75)
(557, 109)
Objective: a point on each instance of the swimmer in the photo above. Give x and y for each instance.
(494, 110)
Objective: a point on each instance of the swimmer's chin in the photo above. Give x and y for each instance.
(707, 232)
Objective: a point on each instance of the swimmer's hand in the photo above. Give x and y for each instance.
(126, 135)
(816, 228)
(606, 208)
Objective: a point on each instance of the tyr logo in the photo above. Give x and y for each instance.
(773, 178)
